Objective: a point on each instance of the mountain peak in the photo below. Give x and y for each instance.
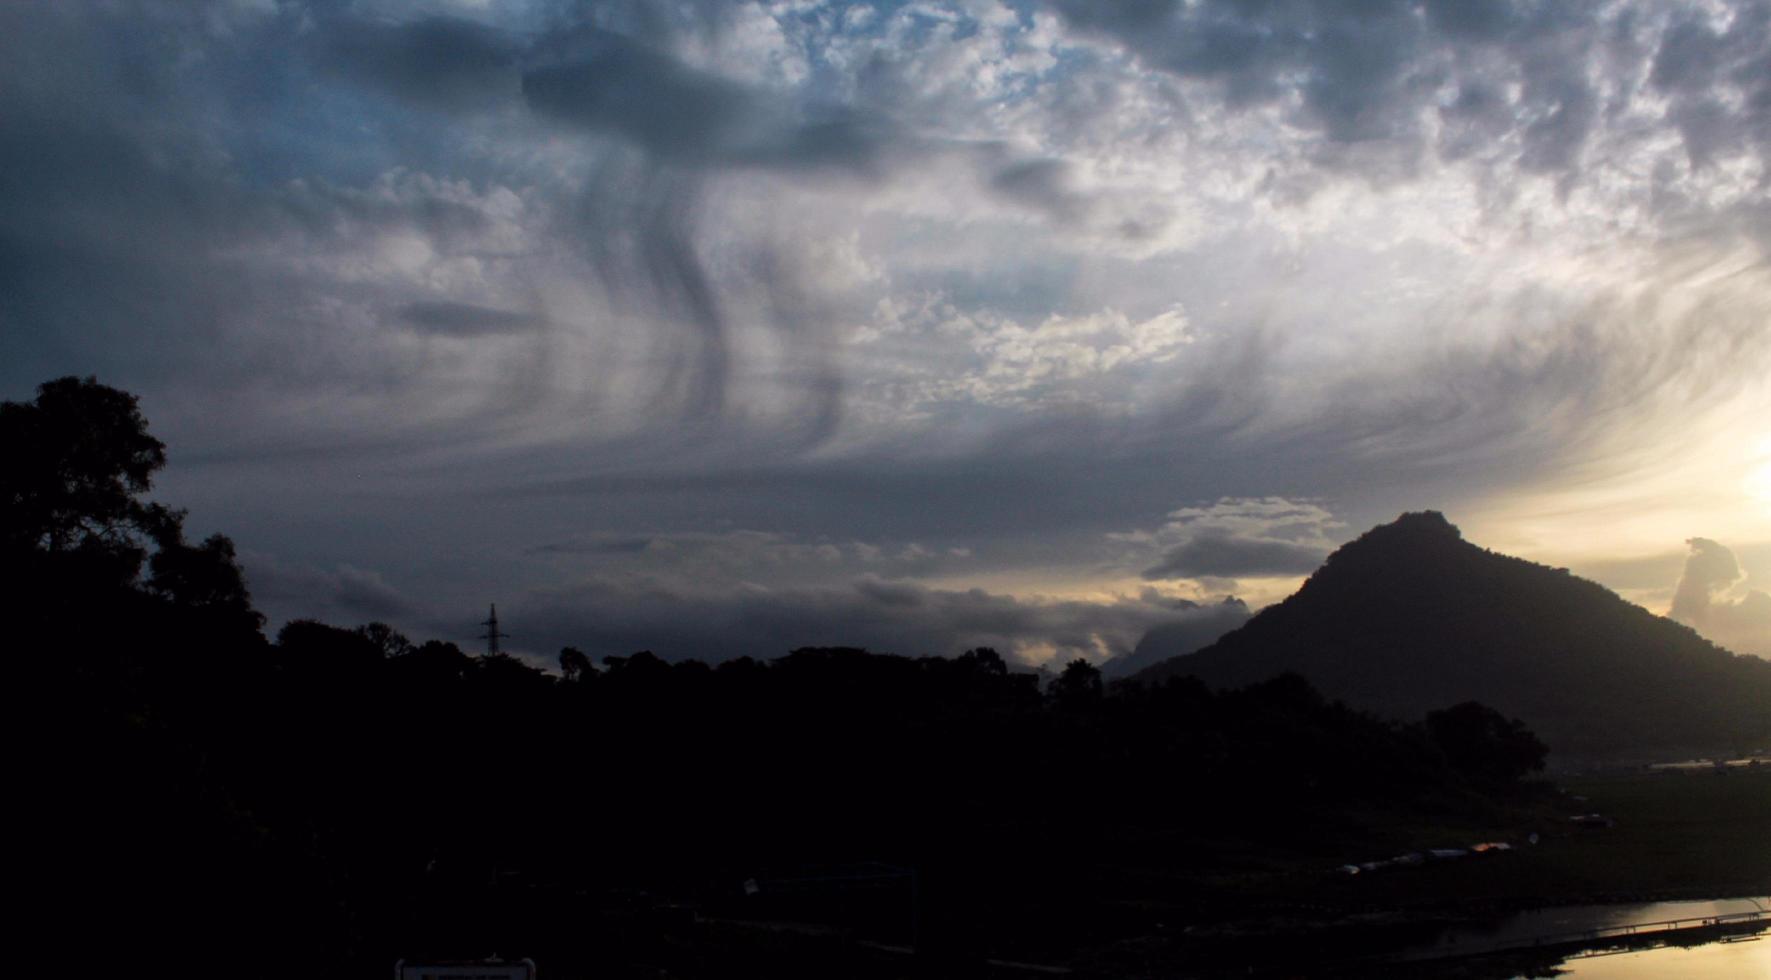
(1410, 617)
(1420, 525)
(1416, 544)
(1423, 522)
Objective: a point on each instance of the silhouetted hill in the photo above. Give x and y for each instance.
(1410, 616)
(1188, 634)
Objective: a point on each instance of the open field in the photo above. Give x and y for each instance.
(1692, 836)
(1697, 835)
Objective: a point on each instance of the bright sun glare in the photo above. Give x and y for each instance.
(1758, 474)
(1758, 482)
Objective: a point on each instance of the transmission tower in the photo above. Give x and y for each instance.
(492, 635)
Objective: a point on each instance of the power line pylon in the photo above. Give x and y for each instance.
(492, 635)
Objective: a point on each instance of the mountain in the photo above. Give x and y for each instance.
(1191, 631)
(1411, 617)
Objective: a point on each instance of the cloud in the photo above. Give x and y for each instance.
(598, 545)
(1104, 360)
(1218, 553)
(251, 221)
(1234, 538)
(693, 559)
(442, 62)
(1043, 184)
(1005, 278)
(1188, 632)
(1710, 568)
(1703, 600)
(616, 615)
(604, 82)
(345, 593)
(1541, 83)
(466, 319)
(1703, 67)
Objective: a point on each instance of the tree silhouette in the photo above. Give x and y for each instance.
(434, 663)
(1484, 743)
(313, 645)
(984, 660)
(1078, 686)
(206, 577)
(391, 642)
(77, 460)
(574, 665)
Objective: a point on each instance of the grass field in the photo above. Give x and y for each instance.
(1694, 833)
(1697, 835)
(1692, 836)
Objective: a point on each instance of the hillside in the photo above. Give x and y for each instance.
(1411, 617)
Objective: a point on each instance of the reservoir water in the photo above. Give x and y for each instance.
(1740, 960)
(1744, 956)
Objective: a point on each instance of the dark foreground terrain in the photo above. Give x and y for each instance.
(1282, 908)
(200, 799)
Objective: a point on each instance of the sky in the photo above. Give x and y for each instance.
(719, 328)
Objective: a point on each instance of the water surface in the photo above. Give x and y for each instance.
(1523, 928)
(1743, 960)
(1747, 956)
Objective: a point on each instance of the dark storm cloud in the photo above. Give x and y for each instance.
(107, 248)
(1042, 184)
(1697, 66)
(1475, 20)
(1359, 72)
(602, 81)
(995, 493)
(144, 227)
(638, 219)
(105, 221)
(344, 594)
(617, 85)
(140, 237)
(601, 545)
(605, 82)
(1221, 554)
(467, 320)
(1350, 63)
(443, 62)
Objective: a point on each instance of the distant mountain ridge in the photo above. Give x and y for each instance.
(1188, 634)
(1411, 617)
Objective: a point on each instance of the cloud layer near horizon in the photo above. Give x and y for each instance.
(1711, 597)
(425, 295)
